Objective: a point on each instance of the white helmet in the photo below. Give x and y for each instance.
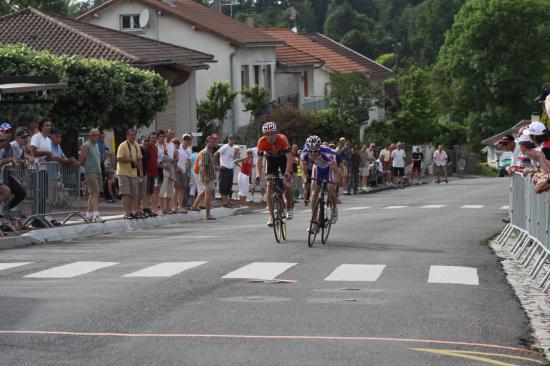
(269, 127)
(313, 143)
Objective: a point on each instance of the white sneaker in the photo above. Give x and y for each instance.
(289, 214)
(98, 219)
(270, 222)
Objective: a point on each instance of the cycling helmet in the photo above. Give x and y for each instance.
(313, 143)
(269, 127)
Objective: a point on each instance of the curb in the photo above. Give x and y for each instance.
(57, 234)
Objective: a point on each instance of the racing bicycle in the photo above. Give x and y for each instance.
(279, 208)
(321, 219)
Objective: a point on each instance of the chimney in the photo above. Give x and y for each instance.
(250, 20)
(217, 6)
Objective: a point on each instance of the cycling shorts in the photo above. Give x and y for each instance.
(323, 173)
(276, 165)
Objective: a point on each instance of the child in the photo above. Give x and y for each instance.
(244, 175)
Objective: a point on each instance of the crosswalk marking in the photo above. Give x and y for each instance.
(356, 272)
(505, 207)
(394, 207)
(71, 270)
(433, 206)
(168, 269)
(453, 275)
(472, 206)
(4, 266)
(260, 270)
(355, 208)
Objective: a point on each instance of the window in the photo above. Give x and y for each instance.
(245, 78)
(256, 74)
(129, 22)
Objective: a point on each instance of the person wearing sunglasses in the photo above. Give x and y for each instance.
(325, 167)
(275, 149)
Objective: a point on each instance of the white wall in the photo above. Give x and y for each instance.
(321, 78)
(169, 29)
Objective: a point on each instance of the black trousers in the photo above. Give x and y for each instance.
(18, 192)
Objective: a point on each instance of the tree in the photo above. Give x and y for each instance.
(342, 20)
(256, 100)
(205, 120)
(219, 100)
(55, 7)
(490, 65)
(351, 97)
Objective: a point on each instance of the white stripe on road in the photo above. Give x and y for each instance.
(505, 207)
(4, 266)
(168, 269)
(472, 206)
(71, 270)
(394, 207)
(355, 208)
(260, 270)
(433, 206)
(356, 272)
(454, 275)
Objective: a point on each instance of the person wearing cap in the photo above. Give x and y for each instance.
(525, 145)
(20, 147)
(128, 162)
(90, 161)
(225, 155)
(539, 135)
(508, 143)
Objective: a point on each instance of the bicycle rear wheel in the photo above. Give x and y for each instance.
(325, 231)
(314, 224)
(282, 222)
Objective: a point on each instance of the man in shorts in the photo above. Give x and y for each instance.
(128, 163)
(274, 148)
(417, 158)
(440, 164)
(90, 161)
(398, 164)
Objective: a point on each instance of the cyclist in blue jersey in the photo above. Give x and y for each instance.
(325, 167)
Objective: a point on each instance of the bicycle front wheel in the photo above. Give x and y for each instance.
(276, 218)
(282, 221)
(314, 224)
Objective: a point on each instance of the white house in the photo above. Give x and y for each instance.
(329, 57)
(245, 56)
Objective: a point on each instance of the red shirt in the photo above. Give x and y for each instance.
(246, 167)
(151, 168)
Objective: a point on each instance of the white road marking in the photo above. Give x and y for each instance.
(260, 270)
(355, 208)
(168, 269)
(71, 270)
(394, 207)
(505, 207)
(356, 272)
(454, 275)
(472, 206)
(433, 206)
(12, 265)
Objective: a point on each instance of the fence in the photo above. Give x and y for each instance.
(51, 189)
(529, 227)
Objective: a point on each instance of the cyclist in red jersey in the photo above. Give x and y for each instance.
(274, 147)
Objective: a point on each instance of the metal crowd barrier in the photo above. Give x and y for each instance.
(52, 190)
(529, 228)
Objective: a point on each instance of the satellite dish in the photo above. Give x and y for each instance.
(144, 18)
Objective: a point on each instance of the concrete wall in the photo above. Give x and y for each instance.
(169, 29)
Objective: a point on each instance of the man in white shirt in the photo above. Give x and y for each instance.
(226, 155)
(440, 164)
(41, 150)
(398, 164)
(185, 155)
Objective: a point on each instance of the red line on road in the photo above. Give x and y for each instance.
(270, 337)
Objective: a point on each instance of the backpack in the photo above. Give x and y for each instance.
(197, 165)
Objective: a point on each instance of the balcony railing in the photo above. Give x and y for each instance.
(313, 104)
(292, 99)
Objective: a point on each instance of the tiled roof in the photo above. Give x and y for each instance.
(204, 19)
(290, 56)
(63, 36)
(336, 57)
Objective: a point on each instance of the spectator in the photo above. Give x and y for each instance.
(185, 156)
(385, 157)
(128, 163)
(398, 164)
(193, 191)
(166, 161)
(144, 181)
(207, 177)
(161, 139)
(57, 152)
(110, 187)
(12, 185)
(526, 146)
(20, 147)
(102, 149)
(91, 162)
(150, 168)
(508, 143)
(364, 167)
(179, 175)
(245, 164)
(226, 155)
(344, 152)
(41, 149)
(417, 158)
(440, 164)
(355, 163)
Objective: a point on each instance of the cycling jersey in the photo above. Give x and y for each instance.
(279, 148)
(323, 160)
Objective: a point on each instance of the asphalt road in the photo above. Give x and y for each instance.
(414, 285)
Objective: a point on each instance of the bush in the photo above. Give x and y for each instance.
(486, 170)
